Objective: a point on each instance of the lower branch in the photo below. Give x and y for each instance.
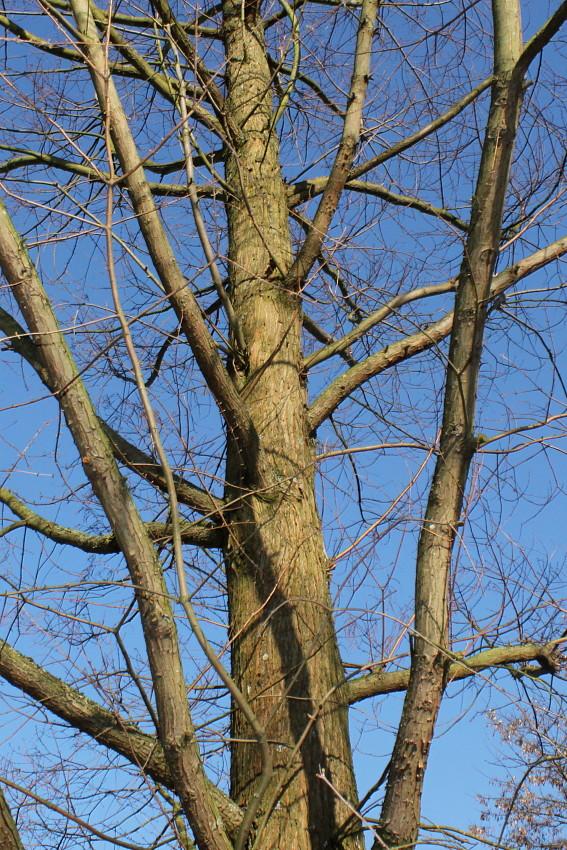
(105, 727)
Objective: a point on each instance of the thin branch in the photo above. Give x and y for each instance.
(297, 192)
(185, 139)
(424, 132)
(141, 21)
(148, 468)
(322, 336)
(309, 82)
(68, 815)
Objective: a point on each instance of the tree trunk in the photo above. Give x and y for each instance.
(285, 657)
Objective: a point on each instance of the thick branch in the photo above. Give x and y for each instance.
(196, 533)
(421, 341)
(400, 815)
(105, 727)
(377, 684)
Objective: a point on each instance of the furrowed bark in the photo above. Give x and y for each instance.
(400, 816)
(284, 651)
(176, 729)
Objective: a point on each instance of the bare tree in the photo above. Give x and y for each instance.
(255, 393)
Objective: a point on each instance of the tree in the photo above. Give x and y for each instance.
(179, 329)
(531, 806)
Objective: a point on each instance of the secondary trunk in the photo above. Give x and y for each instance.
(430, 655)
(285, 657)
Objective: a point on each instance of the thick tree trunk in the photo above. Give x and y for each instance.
(285, 657)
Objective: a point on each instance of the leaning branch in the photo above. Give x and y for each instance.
(20, 342)
(409, 346)
(206, 354)
(176, 727)
(105, 727)
(377, 684)
(344, 158)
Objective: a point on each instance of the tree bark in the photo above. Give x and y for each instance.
(285, 657)
(9, 835)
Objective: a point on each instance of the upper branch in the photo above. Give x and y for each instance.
(300, 192)
(421, 341)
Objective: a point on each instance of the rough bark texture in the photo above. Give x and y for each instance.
(284, 651)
